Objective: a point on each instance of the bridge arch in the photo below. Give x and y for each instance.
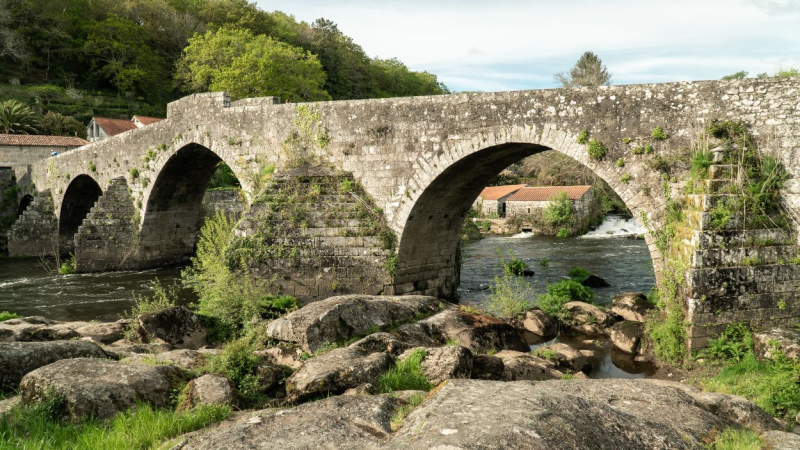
(172, 206)
(427, 248)
(79, 197)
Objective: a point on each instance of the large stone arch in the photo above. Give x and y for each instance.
(172, 204)
(80, 196)
(428, 240)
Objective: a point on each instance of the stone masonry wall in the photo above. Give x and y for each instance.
(35, 233)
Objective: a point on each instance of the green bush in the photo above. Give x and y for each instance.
(68, 266)
(620, 162)
(406, 375)
(578, 273)
(701, 161)
(509, 297)
(558, 294)
(5, 315)
(583, 137)
(515, 266)
(563, 233)
(667, 331)
(596, 149)
(238, 362)
(558, 211)
(658, 134)
(141, 427)
(732, 344)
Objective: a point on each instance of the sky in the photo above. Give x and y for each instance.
(501, 45)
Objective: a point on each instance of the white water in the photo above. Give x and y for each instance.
(524, 234)
(615, 226)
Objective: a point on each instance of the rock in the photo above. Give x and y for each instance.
(382, 342)
(588, 318)
(100, 388)
(540, 323)
(479, 333)
(444, 363)
(797, 418)
(524, 366)
(570, 414)
(283, 355)
(593, 281)
(183, 358)
(8, 404)
(125, 348)
(19, 358)
(405, 396)
(102, 332)
(570, 358)
(336, 371)
(485, 367)
(528, 273)
(627, 335)
(339, 318)
(788, 340)
(272, 378)
(176, 326)
(631, 306)
(364, 389)
(207, 390)
(781, 440)
(34, 329)
(420, 334)
(345, 422)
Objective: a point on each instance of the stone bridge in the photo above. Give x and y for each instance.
(132, 201)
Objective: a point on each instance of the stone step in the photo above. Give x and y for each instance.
(746, 256)
(701, 220)
(704, 202)
(723, 171)
(720, 186)
(739, 238)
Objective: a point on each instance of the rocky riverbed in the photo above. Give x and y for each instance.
(323, 367)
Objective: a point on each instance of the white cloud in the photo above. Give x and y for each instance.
(508, 44)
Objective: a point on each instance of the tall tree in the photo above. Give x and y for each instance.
(589, 71)
(16, 118)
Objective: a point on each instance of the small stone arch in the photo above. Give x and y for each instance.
(427, 261)
(79, 197)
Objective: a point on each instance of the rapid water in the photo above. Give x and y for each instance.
(28, 288)
(615, 226)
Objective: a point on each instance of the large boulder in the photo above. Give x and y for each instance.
(627, 335)
(569, 358)
(479, 333)
(345, 422)
(336, 371)
(339, 318)
(207, 390)
(444, 363)
(787, 340)
(35, 329)
(183, 358)
(176, 326)
(486, 367)
(565, 414)
(100, 388)
(519, 366)
(631, 306)
(19, 358)
(382, 342)
(540, 323)
(283, 355)
(587, 318)
(781, 440)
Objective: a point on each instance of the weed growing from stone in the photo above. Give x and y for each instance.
(514, 266)
(545, 353)
(596, 149)
(400, 413)
(238, 362)
(5, 315)
(658, 134)
(578, 273)
(68, 266)
(583, 137)
(406, 375)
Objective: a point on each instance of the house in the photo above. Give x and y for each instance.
(527, 205)
(492, 200)
(102, 127)
(18, 150)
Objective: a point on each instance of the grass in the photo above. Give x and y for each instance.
(561, 293)
(545, 353)
(238, 362)
(733, 439)
(139, 428)
(406, 375)
(509, 297)
(668, 333)
(400, 413)
(5, 315)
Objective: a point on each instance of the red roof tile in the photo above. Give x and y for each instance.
(543, 194)
(496, 192)
(29, 140)
(113, 127)
(148, 120)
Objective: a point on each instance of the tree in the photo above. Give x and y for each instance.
(395, 80)
(55, 124)
(589, 71)
(234, 60)
(788, 73)
(741, 75)
(16, 118)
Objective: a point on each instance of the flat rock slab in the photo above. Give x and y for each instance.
(19, 358)
(787, 339)
(337, 371)
(37, 329)
(444, 363)
(559, 414)
(100, 388)
(183, 358)
(350, 422)
(339, 318)
(176, 326)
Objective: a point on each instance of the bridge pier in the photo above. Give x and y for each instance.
(35, 233)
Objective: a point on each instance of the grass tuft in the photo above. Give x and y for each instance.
(406, 375)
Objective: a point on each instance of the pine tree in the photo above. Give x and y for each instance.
(589, 71)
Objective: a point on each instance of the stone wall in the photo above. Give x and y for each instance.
(530, 214)
(232, 202)
(8, 205)
(35, 233)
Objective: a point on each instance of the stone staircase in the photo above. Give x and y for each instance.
(735, 273)
(35, 233)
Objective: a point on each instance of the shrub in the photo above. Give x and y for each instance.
(620, 162)
(583, 137)
(558, 211)
(701, 161)
(345, 186)
(658, 134)
(637, 150)
(625, 178)
(406, 375)
(563, 233)
(5, 315)
(238, 362)
(668, 334)
(509, 297)
(134, 172)
(558, 294)
(596, 149)
(732, 344)
(68, 266)
(92, 167)
(578, 273)
(515, 266)
(161, 298)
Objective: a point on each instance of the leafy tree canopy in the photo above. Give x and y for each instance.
(589, 71)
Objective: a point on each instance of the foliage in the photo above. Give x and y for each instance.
(238, 362)
(668, 333)
(401, 412)
(17, 118)
(508, 297)
(560, 293)
(736, 76)
(55, 124)
(737, 439)
(406, 375)
(162, 297)
(578, 273)
(596, 149)
(701, 161)
(658, 134)
(589, 71)
(563, 233)
(788, 73)
(142, 427)
(620, 162)
(68, 266)
(583, 137)
(223, 177)
(558, 211)
(625, 178)
(545, 353)
(5, 315)
(514, 266)
(732, 344)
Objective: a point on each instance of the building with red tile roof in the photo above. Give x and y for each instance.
(544, 193)
(141, 121)
(24, 149)
(491, 201)
(527, 206)
(102, 127)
